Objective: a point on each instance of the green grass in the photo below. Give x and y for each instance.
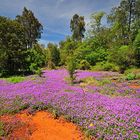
(14, 79)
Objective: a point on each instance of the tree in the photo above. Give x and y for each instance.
(71, 67)
(12, 45)
(119, 24)
(36, 56)
(123, 57)
(95, 23)
(136, 45)
(126, 18)
(77, 26)
(53, 55)
(32, 26)
(67, 48)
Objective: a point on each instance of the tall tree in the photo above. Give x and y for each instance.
(95, 23)
(77, 26)
(12, 45)
(32, 26)
(67, 48)
(126, 17)
(136, 45)
(119, 23)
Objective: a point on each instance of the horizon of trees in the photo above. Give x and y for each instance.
(114, 47)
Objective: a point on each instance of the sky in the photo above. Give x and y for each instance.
(55, 15)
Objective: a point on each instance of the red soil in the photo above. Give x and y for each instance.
(42, 126)
(135, 86)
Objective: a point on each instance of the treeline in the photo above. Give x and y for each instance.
(114, 46)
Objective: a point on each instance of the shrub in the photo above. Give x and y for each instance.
(38, 72)
(123, 57)
(131, 76)
(33, 67)
(105, 66)
(110, 67)
(131, 72)
(84, 65)
(71, 67)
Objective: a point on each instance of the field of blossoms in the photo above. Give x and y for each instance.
(105, 108)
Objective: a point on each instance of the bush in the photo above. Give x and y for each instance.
(131, 72)
(84, 65)
(123, 57)
(38, 72)
(131, 76)
(110, 67)
(33, 67)
(105, 66)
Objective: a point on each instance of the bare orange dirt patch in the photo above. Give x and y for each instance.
(135, 86)
(42, 126)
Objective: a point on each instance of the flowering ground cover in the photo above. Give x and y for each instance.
(104, 108)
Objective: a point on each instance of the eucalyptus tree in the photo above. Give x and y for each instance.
(32, 26)
(77, 26)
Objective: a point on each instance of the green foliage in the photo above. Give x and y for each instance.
(38, 72)
(130, 76)
(53, 55)
(103, 48)
(33, 67)
(71, 67)
(123, 57)
(67, 48)
(97, 56)
(77, 26)
(136, 45)
(15, 79)
(12, 46)
(95, 23)
(84, 65)
(16, 37)
(105, 66)
(32, 26)
(36, 55)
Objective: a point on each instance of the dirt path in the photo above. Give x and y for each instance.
(42, 126)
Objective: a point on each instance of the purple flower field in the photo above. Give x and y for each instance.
(110, 111)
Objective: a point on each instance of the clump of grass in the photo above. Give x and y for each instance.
(93, 81)
(104, 82)
(90, 81)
